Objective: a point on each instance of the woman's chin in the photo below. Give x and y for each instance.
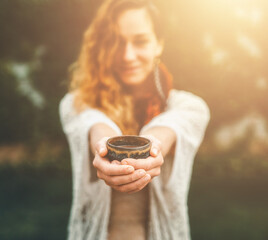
(132, 80)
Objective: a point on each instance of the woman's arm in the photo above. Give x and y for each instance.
(89, 130)
(166, 137)
(183, 122)
(97, 132)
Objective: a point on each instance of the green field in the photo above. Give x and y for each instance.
(231, 205)
(223, 203)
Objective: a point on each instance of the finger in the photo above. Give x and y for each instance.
(116, 162)
(146, 164)
(155, 148)
(156, 145)
(154, 172)
(122, 179)
(134, 186)
(147, 179)
(106, 167)
(101, 148)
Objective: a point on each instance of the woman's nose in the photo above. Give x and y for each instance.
(129, 52)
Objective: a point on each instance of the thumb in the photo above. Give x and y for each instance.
(101, 147)
(154, 150)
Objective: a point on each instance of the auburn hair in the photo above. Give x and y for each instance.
(92, 78)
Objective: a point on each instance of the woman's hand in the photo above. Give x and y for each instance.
(152, 164)
(121, 177)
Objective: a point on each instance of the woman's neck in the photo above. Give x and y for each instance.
(140, 90)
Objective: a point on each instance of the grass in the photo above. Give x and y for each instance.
(36, 198)
(229, 205)
(35, 202)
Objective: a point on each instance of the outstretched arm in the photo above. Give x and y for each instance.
(166, 137)
(184, 123)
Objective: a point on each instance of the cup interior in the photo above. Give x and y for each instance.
(128, 142)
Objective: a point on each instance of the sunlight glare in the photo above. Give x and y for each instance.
(261, 83)
(208, 40)
(254, 15)
(218, 56)
(249, 45)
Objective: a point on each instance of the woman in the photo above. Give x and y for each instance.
(119, 86)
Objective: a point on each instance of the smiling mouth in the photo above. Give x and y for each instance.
(129, 70)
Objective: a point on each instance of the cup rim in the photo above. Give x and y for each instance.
(123, 148)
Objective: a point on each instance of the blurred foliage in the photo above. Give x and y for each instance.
(225, 202)
(202, 51)
(56, 26)
(211, 61)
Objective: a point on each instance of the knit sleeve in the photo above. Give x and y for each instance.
(76, 127)
(187, 115)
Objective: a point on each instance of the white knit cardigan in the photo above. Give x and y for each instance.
(188, 116)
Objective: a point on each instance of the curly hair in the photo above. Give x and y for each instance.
(92, 76)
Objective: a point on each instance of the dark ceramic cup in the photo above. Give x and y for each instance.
(131, 146)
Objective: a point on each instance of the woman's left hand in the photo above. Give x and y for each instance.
(152, 164)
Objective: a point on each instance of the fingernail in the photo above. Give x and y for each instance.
(147, 177)
(130, 169)
(141, 173)
(102, 150)
(124, 162)
(155, 151)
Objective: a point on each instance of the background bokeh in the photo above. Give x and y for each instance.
(217, 49)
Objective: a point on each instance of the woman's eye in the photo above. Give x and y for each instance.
(141, 42)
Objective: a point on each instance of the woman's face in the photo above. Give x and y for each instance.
(138, 47)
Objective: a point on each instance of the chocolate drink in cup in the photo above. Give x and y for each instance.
(129, 146)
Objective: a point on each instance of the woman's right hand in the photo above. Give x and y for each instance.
(123, 178)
